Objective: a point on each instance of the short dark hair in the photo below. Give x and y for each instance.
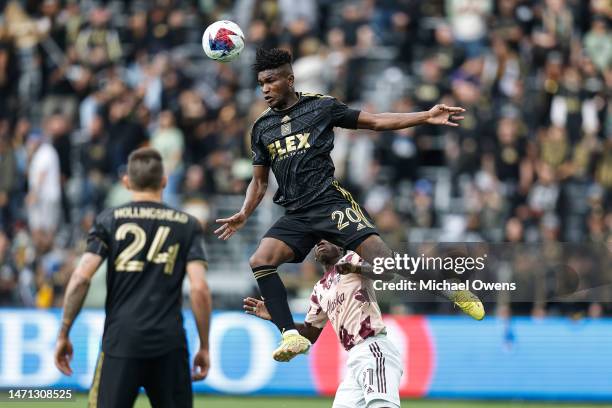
(145, 169)
(270, 59)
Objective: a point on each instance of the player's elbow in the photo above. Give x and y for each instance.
(386, 277)
(370, 121)
(200, 288)
(200, 292)
(375, 122)
(80, 277)
(262, 186)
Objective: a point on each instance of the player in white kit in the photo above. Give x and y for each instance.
(348, 302)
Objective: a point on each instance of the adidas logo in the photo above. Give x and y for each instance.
(360, 227)
(369, 390)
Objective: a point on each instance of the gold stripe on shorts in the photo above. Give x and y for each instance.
(93, 391)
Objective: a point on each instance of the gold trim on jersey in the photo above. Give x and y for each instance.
(348, 196)
(317, 95)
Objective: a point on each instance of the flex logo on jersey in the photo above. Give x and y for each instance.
(288, 145)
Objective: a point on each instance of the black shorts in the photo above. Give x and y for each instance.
(336, 218)
(166, 380)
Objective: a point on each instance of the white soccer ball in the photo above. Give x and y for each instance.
(223, 41)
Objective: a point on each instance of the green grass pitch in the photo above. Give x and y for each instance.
(208, 401)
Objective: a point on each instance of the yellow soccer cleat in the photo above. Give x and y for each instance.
(290, 346)
(469, 304)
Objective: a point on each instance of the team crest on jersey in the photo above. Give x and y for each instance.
(285, 125)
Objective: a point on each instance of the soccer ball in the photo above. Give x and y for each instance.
(223, 41)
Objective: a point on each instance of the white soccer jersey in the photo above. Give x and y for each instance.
(349, 303)
(374, 364)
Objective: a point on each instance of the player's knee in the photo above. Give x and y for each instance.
(378, 403)
(258, 259)
(373, 247)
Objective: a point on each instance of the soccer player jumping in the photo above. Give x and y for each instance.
(294, 137)
(348, 302)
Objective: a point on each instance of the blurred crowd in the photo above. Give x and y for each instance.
(83, 83)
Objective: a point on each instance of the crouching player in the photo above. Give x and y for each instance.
(348, 301)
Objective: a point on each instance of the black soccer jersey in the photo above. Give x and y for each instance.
(296, 143)
(147, 246)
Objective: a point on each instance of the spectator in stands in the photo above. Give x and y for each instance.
(58, 129)
(26, 33)
(598, 43)
(8, 176)
(8, 273)
(532, 159)
(468, 19)
(125, 133)
(310, 70)
(96, 166)
(8, 74)
(169, 141)
(543, 196)
(44, 191)
(98, 45)
(423, 214)
(446, 51)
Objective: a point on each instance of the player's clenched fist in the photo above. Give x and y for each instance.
(201, 364)
(230, 225)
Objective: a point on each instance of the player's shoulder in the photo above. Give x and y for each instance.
(192, 221)
(318, 101)
(105, 217)
(316, 98)
(265, 114)
(311, 95)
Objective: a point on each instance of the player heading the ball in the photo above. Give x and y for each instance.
(294, 138)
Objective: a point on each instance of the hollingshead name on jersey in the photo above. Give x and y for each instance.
(151, 213)
(289, 145)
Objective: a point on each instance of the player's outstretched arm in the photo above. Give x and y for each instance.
(76, 291)
(257, 307)
(201, 305)
(254, 194)
(364, 269)
(438, 115)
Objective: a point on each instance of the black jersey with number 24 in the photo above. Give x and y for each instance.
(147, 246)
(296, 143)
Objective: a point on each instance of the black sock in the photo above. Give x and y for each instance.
(275, 296)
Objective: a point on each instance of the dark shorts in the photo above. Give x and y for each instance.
(336, 218)
(166, 380)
